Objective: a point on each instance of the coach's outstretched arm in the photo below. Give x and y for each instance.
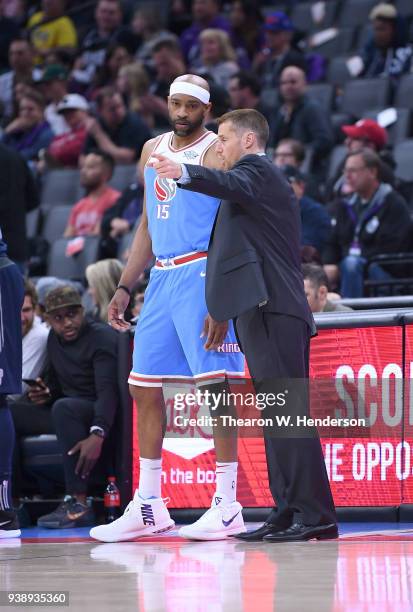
(140, 255)
(243, 183)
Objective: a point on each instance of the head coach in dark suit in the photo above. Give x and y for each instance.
(254, 276)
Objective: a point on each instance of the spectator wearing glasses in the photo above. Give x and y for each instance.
(373, 220)
(290, 152)
(365, 134)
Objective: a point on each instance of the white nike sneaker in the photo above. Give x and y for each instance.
(223, 519)
(142, 517)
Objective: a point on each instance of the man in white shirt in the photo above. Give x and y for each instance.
(34, 334)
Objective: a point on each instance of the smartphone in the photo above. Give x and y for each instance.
(33, 383)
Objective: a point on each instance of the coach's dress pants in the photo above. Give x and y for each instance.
(276, 348)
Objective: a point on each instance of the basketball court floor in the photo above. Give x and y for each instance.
(370, 567)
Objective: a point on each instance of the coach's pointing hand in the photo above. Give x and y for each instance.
(165, 167)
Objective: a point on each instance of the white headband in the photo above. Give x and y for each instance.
(189, 89)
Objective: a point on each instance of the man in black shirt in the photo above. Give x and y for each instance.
(279, 52)
(118, 132)
(374, 219)
(301, 118)
(81, 388)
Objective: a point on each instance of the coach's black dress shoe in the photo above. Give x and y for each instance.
(258, 534)
(300, 533)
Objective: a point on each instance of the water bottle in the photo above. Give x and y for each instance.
(111, 500)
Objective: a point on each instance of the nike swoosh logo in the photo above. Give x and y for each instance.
(5, 523)
(72, 516)
(203, 274)
(227, 523)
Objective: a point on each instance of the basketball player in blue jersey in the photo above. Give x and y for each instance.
(170, 343)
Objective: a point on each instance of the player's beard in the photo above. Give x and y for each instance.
(190, 127)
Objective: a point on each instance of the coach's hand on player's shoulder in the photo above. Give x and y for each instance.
(215, 331)
(116, 310)
(165, 167)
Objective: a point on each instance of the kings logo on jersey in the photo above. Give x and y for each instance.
(165, 189)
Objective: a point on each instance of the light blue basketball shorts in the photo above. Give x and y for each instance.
(168, 346)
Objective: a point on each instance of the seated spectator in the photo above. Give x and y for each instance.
(77, 400)
(365, 134)
(58, 31)
(34, 334)
(116, 131)
(134, 85)
(301, 118)
(387, 53)
(65, 150)
(220, 104)
(168, 64)
(217, 57)
(278, 52)
(147, 26)
(117, 55)
(316, 290)
(45, 284)
(205, 14)
(374, 219)
(315, 221)
(245, 90)
(120, 219)
(102, 278)
(21, 64)
(290, 152)
(108, 30)
(29, 133)
(246, 30)
(86, 216)
(54, 84)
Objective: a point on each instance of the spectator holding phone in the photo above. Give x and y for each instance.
(77, 400)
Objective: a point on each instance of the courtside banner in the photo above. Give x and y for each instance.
(356, 376)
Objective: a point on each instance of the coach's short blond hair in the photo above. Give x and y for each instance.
(248, 119)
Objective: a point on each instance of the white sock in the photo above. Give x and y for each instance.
(150, 477)
(227, 479)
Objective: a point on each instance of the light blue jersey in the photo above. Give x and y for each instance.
(179, 221)
(168, 347)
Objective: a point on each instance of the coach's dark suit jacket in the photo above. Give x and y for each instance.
(254, 251)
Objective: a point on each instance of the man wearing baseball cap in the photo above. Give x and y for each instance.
(278, 52)
(53, 85)
(77, 399)
(365, 134)
(65, 150)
